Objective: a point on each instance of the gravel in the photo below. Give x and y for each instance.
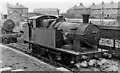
(99, 65)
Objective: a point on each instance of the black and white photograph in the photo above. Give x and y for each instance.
(65, 36)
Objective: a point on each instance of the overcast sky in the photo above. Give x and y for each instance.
(63, 5)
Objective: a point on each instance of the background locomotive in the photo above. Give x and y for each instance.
(8, 26)
(8, 35)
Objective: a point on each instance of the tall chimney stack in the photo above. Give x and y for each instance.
(85, 18)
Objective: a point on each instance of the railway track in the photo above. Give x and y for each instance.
(25, 49)
(16, 60)
(10, 70)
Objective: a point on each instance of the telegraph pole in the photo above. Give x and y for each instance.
(102, 14)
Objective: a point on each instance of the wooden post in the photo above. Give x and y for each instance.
(114, 43)
(114, 40)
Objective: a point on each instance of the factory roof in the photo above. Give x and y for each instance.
(45, 9)
(105, 5)
(81, 6)
(52, 11)
(16, 6)
(98, 6)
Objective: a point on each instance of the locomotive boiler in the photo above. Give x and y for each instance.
(60, 40)
(79, 34)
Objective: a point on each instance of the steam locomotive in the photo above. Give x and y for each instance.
(8, 35)
(59, 40)
(8, 26)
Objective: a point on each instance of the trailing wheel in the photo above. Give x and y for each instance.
(4, 40)
(31, 47)
(52, 56)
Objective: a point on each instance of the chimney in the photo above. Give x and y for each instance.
(81, 4)
(102, 2)
(17, 4)
(75, 6)
(112, 2)
(93, 4)
(8, 4)
(85, 18)
(21, 5)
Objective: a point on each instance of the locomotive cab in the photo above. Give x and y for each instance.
(40, 33)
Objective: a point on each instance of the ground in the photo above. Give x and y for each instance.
(16, 60)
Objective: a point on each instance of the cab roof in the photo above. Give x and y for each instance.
(40, 16)
(34, 17)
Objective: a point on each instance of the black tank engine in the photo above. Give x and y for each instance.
(63, 40)
(63, 33)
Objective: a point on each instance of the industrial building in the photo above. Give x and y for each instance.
(49, 11)
(78, 11)
(17, 12)
(102, 10)
(106, 10)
